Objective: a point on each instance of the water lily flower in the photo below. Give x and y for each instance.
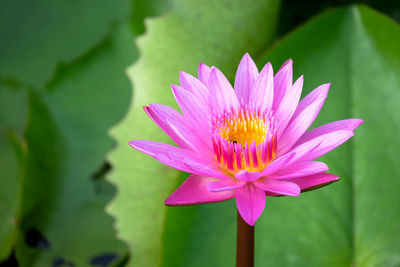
(247, 142)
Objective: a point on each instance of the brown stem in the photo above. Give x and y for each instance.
(244, 244)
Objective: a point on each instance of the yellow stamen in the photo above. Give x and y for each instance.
(244, 140)
(242, 130)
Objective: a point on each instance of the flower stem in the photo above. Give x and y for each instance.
(244, 243)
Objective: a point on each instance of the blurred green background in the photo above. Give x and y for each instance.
(74, 76)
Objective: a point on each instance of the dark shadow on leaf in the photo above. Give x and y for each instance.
(103, 260)
(10, 262)
(35, 239)
(61, 262)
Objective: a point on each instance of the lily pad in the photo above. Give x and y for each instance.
(37, 36)
(62, 219)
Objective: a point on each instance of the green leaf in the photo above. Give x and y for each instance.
(62, 219)
(354, 222)
(146, 8)
(13, 115)
(39, 35)
(215, 32)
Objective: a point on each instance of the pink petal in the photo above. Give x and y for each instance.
(278, 163)
(282, 81)
(300, 169)
(278, 187)
(288, 105)
(173, 124)
(287, 63)
(250, 201)
(320, 92)
(245, 77)
(224, 185)
(225, 98)
(307, 183)
(203, 168)
(204, 74)
(247, 176)
(304, 116)
(178, 158)
(196, 87)
(193, 135)
(194, 191)
(349, 124)
(320, 145)
(192, 109)
(262, 95)
(159, 114)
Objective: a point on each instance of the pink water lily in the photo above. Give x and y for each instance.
(247, 142)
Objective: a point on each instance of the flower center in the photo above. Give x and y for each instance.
(244, 129)
(244, 140)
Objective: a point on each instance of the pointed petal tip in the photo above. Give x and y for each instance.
(267, 70)
(319, 93)
(250, 220)
(267, 66)
(147, 110)
(193, 191)
(247, 61)
(287, 64)
(172, 201)
(358, 122)
(353, 124)
(175, 91)
(203, 65)
(136, 144)
(182, 75)
(132, 144)
(296, 192)
(325, 88)
(174, 87)
(246, 57)
(168, 202)
(250, 202)
(299, 82)
(316, 181)
(202, 70)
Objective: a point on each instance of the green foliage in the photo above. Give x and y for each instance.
(62, 198)
(54, 119)
(12, 101)
(36, 36)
